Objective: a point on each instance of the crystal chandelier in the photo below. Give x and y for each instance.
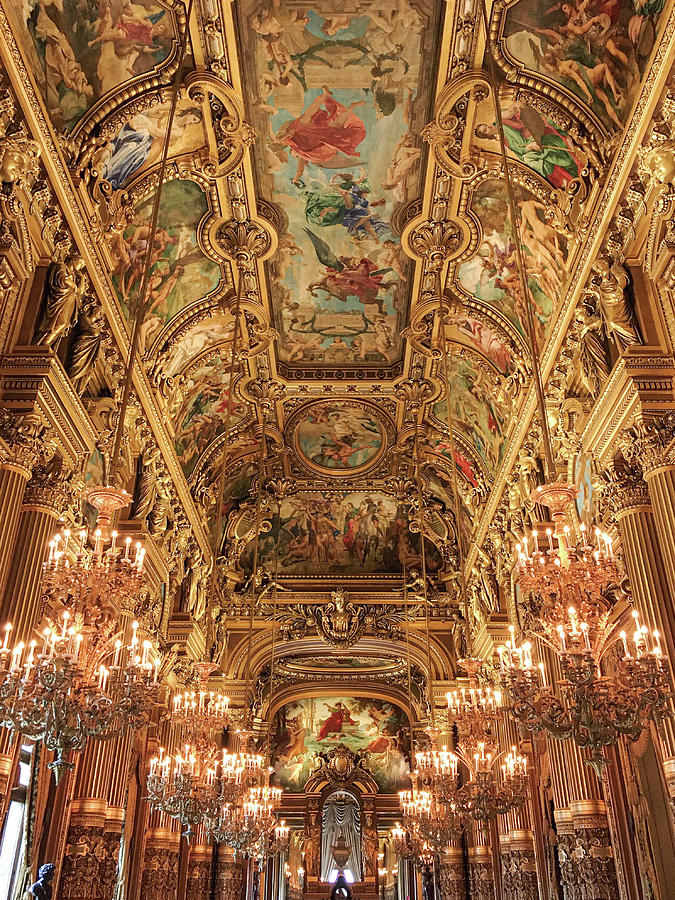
(84, 682)
(201, 711)
(428, 819)
(572, 602)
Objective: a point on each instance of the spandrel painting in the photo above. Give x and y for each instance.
(338, 98)
(79, 50)
(475, 411)
(180, 273)
(532, 138)
(204, 413)
(596, 49)
(352, 534)
(475, 333)
(139, 142)
(492, 275)
(217, 329)
(306, 727)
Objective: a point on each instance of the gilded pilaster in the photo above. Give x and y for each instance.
(481, 871)
(160, 867)
(44, 499)
(229, 875)
(199, 872)
(451, 877)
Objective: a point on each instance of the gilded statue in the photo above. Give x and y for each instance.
(66, 286)
(145, 486)
(608, 289)
(158, 519)
(592, 350)
(86, 347)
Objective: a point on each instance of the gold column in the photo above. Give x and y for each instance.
(160, 866)
(585, 851)
(22, 446)
(647, 569)
(91, 851)
(43, 499)
(229, 875)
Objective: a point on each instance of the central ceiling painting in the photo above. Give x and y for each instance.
(337, 99)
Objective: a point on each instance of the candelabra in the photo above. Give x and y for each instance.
(429, 819)
(90, 567)
(488, 793)
(195, 784)
(281, 838)
(248, 826)
(201, 711)
(84, 682)
(572, 600)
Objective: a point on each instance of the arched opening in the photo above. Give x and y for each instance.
(341, 827)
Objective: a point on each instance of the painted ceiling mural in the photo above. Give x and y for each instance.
(204, 412)
(306, 727)
(491, 274)
(597, 50)
(80, 50)
(532, 138)
(138, 143)
(349, 533)
(180, 272)
(338, 100)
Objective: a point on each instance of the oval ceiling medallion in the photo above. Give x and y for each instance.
(339, 437)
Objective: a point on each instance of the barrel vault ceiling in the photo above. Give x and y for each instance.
(325, 169)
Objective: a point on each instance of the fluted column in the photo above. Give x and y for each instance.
(160, 865)
(585, 851)
(199, 871)
(44, 499)
(229, 875)
(22, 446)
(90, 864)
(643, 553)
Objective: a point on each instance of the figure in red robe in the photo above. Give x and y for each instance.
(335, 721)
(326, 134)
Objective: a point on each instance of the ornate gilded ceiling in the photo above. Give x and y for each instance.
(328, 166)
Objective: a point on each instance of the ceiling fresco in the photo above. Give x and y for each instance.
(596, 50)
(343, 438)
(138, 142)
(491, 274)
(532, 138)
(306, 727)
(204, 413)
(333, 137)
(81, 50)
(338, 101)
(347, 533)
(180, 271)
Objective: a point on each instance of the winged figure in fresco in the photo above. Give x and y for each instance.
(348, 276)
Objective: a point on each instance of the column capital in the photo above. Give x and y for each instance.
(651, 444)
(23, 437)
(51, 487)
(624, 490)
